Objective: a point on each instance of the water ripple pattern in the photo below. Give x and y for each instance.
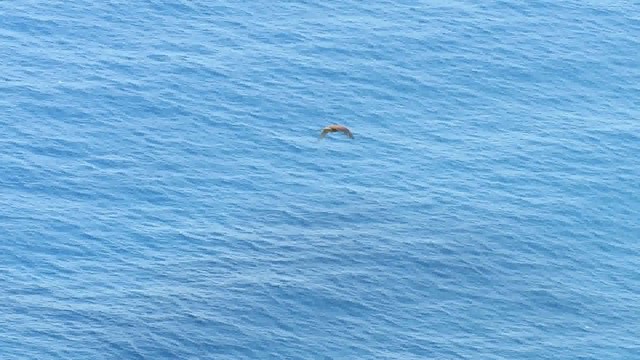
(164, 194)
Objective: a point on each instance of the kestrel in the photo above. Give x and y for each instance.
(334, 128)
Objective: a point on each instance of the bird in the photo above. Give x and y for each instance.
(335, 128)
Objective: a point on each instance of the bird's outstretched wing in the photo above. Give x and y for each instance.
(324, 132)
(348, 133)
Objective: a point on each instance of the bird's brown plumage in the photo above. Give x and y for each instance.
(335, 128)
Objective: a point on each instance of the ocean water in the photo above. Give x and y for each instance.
(164, 194)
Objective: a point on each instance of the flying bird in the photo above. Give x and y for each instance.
(335, 128)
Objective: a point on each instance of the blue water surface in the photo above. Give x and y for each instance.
(164, 194)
